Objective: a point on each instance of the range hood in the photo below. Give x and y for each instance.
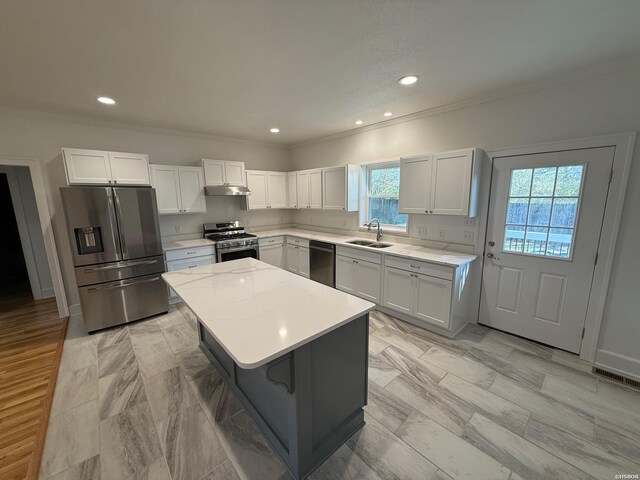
(225, 190)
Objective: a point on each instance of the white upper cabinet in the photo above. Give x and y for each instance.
(340, 188)
(223, 172)
(178, 189)
(129, 168)
(315, 189)
(292, 190)
(268, 190)
(302, 183)
(441, 184)
(96, 167)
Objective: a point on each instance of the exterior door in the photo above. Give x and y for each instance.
(545, 217)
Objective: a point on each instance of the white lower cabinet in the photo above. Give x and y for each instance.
(272, 251)
(358, 277)
(183, 259)
(298, 259)
(398, 290)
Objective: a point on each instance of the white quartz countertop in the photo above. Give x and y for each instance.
(258, 312)
(441, 257)
(196, 242)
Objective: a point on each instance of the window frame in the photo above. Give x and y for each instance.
(395, 230)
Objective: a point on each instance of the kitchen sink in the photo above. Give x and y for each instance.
(365, 243)
(379, 245)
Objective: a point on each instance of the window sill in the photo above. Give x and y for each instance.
(394, 232)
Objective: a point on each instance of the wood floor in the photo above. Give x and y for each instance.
(31, 339)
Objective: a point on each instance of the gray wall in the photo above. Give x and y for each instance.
(594, 106)
(41, 136)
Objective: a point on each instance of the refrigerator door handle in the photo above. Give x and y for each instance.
(123, 244)
(124, 285)
(122, 265)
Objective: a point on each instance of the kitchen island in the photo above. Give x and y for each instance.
(293, 351)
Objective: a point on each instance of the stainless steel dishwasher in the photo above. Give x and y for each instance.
(322, 262)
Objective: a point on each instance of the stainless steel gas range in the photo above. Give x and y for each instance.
(231, 240)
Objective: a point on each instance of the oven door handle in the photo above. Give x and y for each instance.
(237, 249)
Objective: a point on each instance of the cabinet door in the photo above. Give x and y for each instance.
(192, 190)
(277, 189)
(367, 282)
(315, 189)
(303, 261)
(292, 258)
(213, 172)
(398, 290)
(451, 183)
(292, 190)
(415, 185)
(86, 167)
(273, 255)
(257, 183)
(130, 168)
(334, 188)
(302, 181)
(433, 300)
(166, 180)
(234, 173)
(345, 274)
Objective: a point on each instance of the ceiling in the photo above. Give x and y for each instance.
(310, 67)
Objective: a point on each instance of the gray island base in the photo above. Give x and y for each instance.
(307, 402)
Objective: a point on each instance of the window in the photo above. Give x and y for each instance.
(381, 196)
(542, 209)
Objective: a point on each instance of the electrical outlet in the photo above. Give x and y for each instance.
(422, 232)
(468, 236)
(441, 234)
(177, 228)
(469, 221)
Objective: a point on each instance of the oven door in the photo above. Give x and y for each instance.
(228, 254)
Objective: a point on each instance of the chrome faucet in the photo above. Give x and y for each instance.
(379, 232)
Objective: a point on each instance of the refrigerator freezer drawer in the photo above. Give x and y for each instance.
(108, 304)
(110, 272)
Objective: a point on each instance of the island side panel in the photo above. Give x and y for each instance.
(308, 402)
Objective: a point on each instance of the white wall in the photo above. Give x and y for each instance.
(594, 106)
(23, 134)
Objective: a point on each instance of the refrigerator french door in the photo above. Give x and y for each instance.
(117, 253)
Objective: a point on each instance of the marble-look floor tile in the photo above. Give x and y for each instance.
(194, 363)
(251, 455)
(145, 333)
(112, 336)
(129, 443)
(155, 358)
(571, 360)
(86, 470)
(387, 455)
(440, 475)
(78, 355)
(520, 373)
(75, 387)
(77, 333)
(217, 401)
(431, 338)
(157, 471)
(187, 313)
(521, 344)
(484, 343)
(378, 320)
(569, 418)
(472, 372)
(403, 341)
(380, 371)
(434, 401)
(344, 464)
(172, 318)
(412, 366)
(168, 393)
(458, 458)
(226, 471)
(518, 454)
(385, 407)
(501, 411)
(580, 453)
(72, 437)
(625, 398)
(617, 440)
(180, 337)
(376, 345)
(549, 367)
(113, 358)
(190, 445)
(120, 391)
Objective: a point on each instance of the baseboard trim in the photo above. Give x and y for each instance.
(75, 311)
(618, 363)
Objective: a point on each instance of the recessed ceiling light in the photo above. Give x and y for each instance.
(408, 80)
(387, 114)
(275, 130)
(106, 100)
(359, 122)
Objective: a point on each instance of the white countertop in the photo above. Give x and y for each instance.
(258, 312)
(196, 242)
(441, 257)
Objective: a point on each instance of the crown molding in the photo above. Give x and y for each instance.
(627, 64)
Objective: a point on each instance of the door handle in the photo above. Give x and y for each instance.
(116, 267)
(492, 256)
(124, 285)
(123, 244)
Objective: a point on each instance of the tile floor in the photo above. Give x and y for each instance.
(141, 402)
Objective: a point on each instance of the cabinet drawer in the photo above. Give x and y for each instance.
(190, 263)
(265, 242)
(185, 253)
(301, 242)
(359, 254)
(417, 266)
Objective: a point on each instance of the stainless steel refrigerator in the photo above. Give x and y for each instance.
(117, 253)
